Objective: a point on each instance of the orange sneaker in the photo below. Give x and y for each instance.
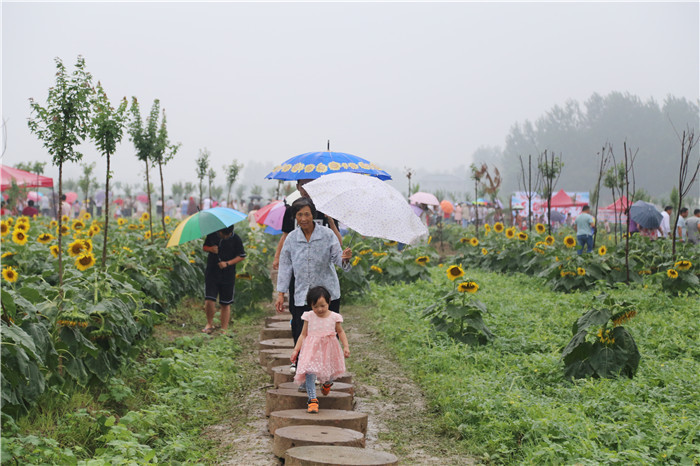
(326, 388)
(312, 406)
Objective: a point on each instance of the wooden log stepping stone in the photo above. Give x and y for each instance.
(299, 436)
(279, 400)
(276, 360)
(284, 324)
(281, 374)
(337, 386)
(265, 355)
(319, 455)
(274, 333)
(353, 420)
(276, 343)
(284, 317)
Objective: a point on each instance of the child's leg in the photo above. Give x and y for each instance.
(311, 386)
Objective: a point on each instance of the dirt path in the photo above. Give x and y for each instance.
(399, 421)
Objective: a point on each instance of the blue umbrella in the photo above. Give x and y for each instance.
(645, 215)
(313, 165)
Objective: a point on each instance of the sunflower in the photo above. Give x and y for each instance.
(78, 225)
(23, 219)
(365, 251)
(469, 287)
(379, 254)
(64, 219)
(510, 232)
(54, 250)
(88, 245)
(539, 228)
(549, 240)
(538, 250)
(95, 229)
(127, 249)
(133, 227)
(53, 224)
(602, 251)
(498, 227)
(4, 228)
(121, 221)
(10, 274)
(522, 236)
(422, 260)
(356, 261)
(683, 265)
(672, 274)
(144, 217)
(84, 261)
(244, 276)
(464, 240)
(7, 254)
(19, 237)
(10, 221)
(487, 227)
(474, 242)
(22, 226)
(454, 272)
(167, 219)
(569, 242)
(147, 235)
(376, 269)
(484, 251)
(581, 271)
(87, 216)
(390, 243)
(77, 248)
(64, 230)
(45, 238)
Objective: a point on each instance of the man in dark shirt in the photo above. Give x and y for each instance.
(225, 250)
(30, 211)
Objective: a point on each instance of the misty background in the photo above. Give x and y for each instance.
(426, 86)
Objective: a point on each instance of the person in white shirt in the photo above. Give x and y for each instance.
(665, 227)
(206, 203)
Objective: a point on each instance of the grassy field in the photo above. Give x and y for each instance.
(509, 401)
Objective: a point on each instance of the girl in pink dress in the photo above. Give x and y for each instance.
(321, 357)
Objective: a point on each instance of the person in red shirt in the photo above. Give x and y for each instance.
(30, 211)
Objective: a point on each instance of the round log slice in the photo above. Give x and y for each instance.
(337, 386)
(323, 455)
(266, 354)
(273, 333)
(276, 343)
(285, 317)
(278, 324)
(279, 400)
(353, 420)
(299, 436)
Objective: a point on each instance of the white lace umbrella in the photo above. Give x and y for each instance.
(367, 205)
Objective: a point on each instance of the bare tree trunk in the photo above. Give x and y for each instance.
(162, 196)
(476, 207)
(627, 236)
(597, 201)
(148, 193)
(104, 246)
(60, 236)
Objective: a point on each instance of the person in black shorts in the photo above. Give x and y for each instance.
(225, 250)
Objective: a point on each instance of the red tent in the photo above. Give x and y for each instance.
(619, 206)
(22, 178)
(561, 199)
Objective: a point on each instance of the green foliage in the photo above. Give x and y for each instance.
(510, 402)
(201, 170)
(613, 350)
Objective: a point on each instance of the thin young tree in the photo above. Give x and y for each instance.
(232, 172)
(550, 167)
(211, 175)
(202, 168)
(629, 173)
(145, 139)
(107, 130)
(87, 180)
(62, 125)
(163, 152)
(687, 175)
(615, 179)
(529, 185)
(477, 174)
(604, 159)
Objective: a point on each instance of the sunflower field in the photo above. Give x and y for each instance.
(84, 334)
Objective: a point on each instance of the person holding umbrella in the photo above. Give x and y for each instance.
(225, 250)
(309, 254)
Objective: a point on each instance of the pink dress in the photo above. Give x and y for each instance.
(321, 353)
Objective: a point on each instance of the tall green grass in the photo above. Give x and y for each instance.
(509, 402)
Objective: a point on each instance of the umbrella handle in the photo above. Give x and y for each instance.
(352, 239)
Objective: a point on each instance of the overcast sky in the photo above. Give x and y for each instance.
(401, 84)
